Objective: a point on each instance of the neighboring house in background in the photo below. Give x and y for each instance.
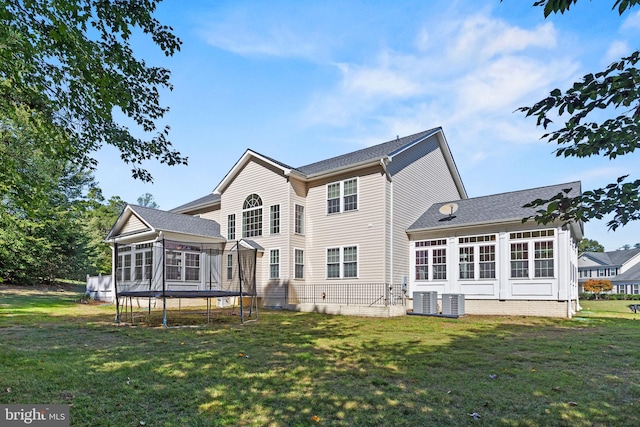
(502, 265)
(621, 267)
(372, 217)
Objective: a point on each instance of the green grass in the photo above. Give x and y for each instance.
(288, 368)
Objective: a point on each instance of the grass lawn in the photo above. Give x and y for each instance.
(310, 369)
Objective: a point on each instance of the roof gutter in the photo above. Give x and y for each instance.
(337, 171)
(468, 225)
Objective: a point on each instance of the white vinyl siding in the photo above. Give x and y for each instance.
(364, 228)
(421, 178)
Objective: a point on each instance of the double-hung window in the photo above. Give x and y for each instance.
(543, 258)
(298, 261)
(274, 219)
(342, 196)
(274, 263)
(487, 262)
(466, 263)
(299, 219)
(342, 262)
(229, 266)
(231, 227)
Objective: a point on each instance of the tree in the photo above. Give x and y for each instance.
(70, 65)
(40, 203)
(588, 245)
(613, 94)
(598, 286)
(147, 200)
(98, 220)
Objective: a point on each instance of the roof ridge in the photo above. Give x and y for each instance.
(410, 139)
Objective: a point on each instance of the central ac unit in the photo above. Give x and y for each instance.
(453, 304)
(425, 302)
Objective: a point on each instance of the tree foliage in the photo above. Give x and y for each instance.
(601, 117)
(70, 62)
(40, 203)
(588, 245)
(98, 219)
(598, 286)
(146, 200)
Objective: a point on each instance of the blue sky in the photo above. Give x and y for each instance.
(304, 81)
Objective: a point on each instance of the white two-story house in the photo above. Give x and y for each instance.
(358, 219)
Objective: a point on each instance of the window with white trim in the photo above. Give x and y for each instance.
(274, 263)
(173, 263)
(274, 219)
(298, 262)
(123, 264)
(229, 266)
(422, 265)
(431, 260)
(466, 262)
(487, 262)
(543, 259)
(252, 216)
(477, 257)
(342, 196)
(342, 262)
(439, 258)
(522, 257)
(519, 260)
(182, 263)
(231, 227)
(299, 219)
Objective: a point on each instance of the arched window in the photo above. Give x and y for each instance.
(252, 216)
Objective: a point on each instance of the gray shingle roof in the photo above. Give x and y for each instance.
(494, 208)
(179, 223)
(631, 275)
(613, 258)
(202, 201)
(359, 156)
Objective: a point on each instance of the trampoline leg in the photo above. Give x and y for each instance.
(164, 311)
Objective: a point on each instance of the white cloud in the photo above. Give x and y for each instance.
(632, 22)
(616, 50)
(277, 41)
(469, 77)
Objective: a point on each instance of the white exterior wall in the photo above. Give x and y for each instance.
(271, 185)
(297, 196)
(364, 228)
(420, 178)
(561, 287)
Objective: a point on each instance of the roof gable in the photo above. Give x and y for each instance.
(246, 158)
(504, 207)
(355, 159)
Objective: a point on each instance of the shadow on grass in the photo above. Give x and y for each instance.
(312, 369)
